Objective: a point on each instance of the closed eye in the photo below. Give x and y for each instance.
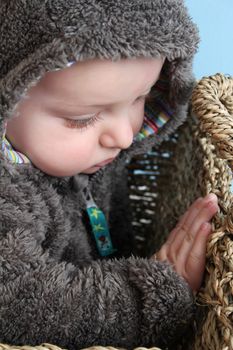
(82, 123)
(86, 122)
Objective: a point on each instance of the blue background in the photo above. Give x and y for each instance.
(215, 21)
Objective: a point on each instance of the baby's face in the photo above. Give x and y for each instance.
(78, 119)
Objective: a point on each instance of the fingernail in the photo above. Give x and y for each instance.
(211, 197)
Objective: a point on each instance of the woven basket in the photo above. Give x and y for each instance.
(195, 161)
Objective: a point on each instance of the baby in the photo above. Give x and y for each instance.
(78, 101)
(79, 119)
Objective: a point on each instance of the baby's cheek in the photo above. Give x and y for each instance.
(138, 121)
(84, 144)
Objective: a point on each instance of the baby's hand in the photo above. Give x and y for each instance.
(185, 247)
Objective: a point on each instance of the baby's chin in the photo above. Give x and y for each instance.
(57, 172)
(59, 168)
(91, 170)
(52, 171)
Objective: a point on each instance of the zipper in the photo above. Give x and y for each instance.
(98, 222)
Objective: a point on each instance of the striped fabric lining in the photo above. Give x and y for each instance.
(157, 109)
(154, 119)
(12, 155)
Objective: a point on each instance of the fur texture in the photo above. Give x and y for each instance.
(53, 285)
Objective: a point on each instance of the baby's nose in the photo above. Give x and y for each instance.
(119, 135)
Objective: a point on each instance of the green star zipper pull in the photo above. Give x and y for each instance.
(99, 227)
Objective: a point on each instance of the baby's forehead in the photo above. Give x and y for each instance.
(101, 82)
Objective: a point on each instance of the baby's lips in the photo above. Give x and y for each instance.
(107, 161)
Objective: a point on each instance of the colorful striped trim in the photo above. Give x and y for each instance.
(157, 109)
(69, 64)
(12, 155)
(154, 119)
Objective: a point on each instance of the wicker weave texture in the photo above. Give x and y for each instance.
(47, 346)
(212, 102)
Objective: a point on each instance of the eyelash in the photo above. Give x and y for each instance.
(82, 123)
(85, 123)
